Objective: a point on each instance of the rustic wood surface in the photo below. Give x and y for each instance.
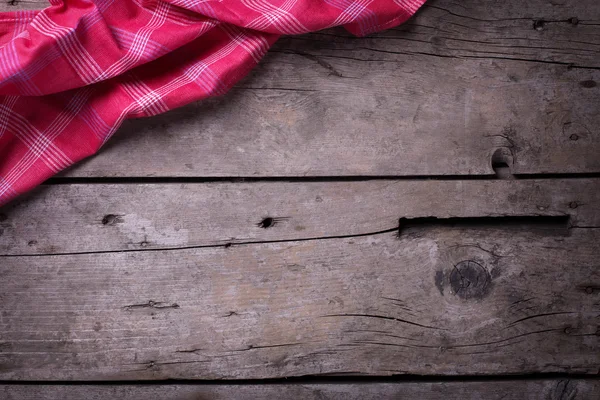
(273, 279)
(436, 96)
(566, 389)
(435, 300)
(91, 218)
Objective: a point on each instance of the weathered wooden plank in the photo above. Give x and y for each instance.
(538, 31)
(436, 96)
(572, 389)
(86, 218)
(435, 300)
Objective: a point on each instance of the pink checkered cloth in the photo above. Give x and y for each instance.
(70, 74)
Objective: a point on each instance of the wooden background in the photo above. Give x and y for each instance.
(423, 202)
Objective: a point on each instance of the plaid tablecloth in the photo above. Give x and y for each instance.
(70, 74)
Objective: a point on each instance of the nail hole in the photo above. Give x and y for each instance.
(266, 223)
(573, 204)
(538, 25)
(589, 290)
(269, 222)
(574, 137)
(573, 21)
(111, 219)
(500, 165)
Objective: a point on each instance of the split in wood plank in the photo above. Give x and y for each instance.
(92, 218)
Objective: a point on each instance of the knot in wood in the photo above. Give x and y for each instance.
(469, 280)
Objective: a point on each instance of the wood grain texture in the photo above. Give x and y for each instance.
(437, 96)
(112, 217)
(436, 300)
(571, 389)
(148, 281)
